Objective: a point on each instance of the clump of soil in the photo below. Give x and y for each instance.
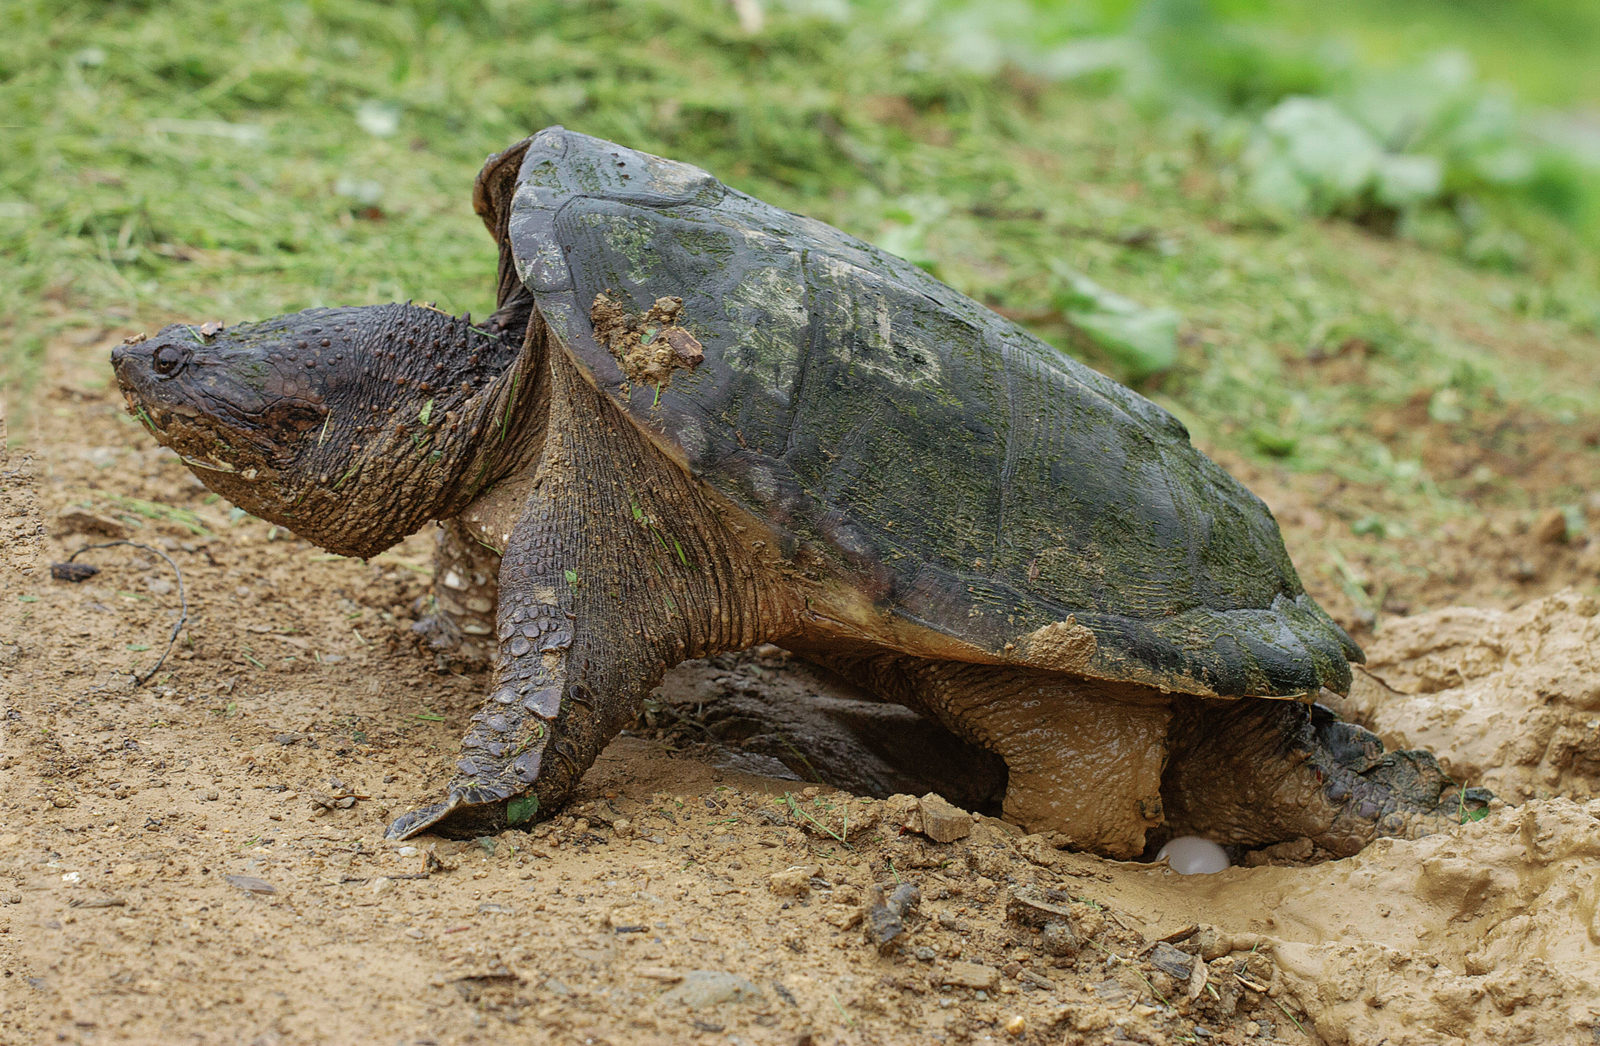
(648, 347)
(1510, 699)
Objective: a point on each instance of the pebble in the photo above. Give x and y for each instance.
(1169, 960)
(885, 916)
(1016, 1024)
(250, 884)
(659, 973)
(702, 988)
(82, 521)
(794, 881)
(942, 821)
(1551, 528)
(970, 975)
(1032, 906)
(1059, 939)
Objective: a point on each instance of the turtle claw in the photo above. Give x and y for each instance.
(466, 814)
(418, 821)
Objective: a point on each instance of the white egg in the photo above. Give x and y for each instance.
(1192, 855)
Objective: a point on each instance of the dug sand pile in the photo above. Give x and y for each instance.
(1507, 699)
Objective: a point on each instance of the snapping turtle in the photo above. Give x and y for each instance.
(697, 422)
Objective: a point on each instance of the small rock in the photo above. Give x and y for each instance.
(1211, 943)
(970, 975)
(82, 521)
(845, 918)
(74, 572)
(1034, 907)
(903, 810)
(1169, 960)
(906, 896)
(885, 916)
(1016, 1024)
(1038, 980)
(702, 988)
(1059, 939)
(1259, 968)
(381, 884)
(794, 881)
(1551, 528)
(659, 973)
(942, 821)
(250, 884)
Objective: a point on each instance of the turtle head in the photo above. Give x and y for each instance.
(349, 426)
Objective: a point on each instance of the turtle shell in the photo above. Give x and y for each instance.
(968, 477)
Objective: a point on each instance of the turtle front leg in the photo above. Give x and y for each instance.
(618, 569)
(466, 592)
(1257, 772)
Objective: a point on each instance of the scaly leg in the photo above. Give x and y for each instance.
(619, 568)
(466, 591)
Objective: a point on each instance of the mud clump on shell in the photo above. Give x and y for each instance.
(648, 347)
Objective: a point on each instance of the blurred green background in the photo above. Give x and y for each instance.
(1280, 219)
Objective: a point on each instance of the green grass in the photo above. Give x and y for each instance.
(193, 161)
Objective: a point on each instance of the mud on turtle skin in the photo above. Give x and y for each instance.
(697, 422)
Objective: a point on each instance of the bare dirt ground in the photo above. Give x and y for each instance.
(201, 859)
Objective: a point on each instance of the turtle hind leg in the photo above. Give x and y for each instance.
(1258, 772)
(460, 627)
(1083, 759)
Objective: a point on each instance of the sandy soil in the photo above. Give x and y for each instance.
(201, 859)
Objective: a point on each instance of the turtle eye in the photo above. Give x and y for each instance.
(169, 359)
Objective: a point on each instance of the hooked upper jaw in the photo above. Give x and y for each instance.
(221, 398)
(324, 420)
(145, 366)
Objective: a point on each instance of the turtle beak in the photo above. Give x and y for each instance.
(122, 358)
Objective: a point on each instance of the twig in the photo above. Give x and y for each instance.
(183, 602)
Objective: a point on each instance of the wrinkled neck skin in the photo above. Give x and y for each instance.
(351, 427)
(395, 468)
